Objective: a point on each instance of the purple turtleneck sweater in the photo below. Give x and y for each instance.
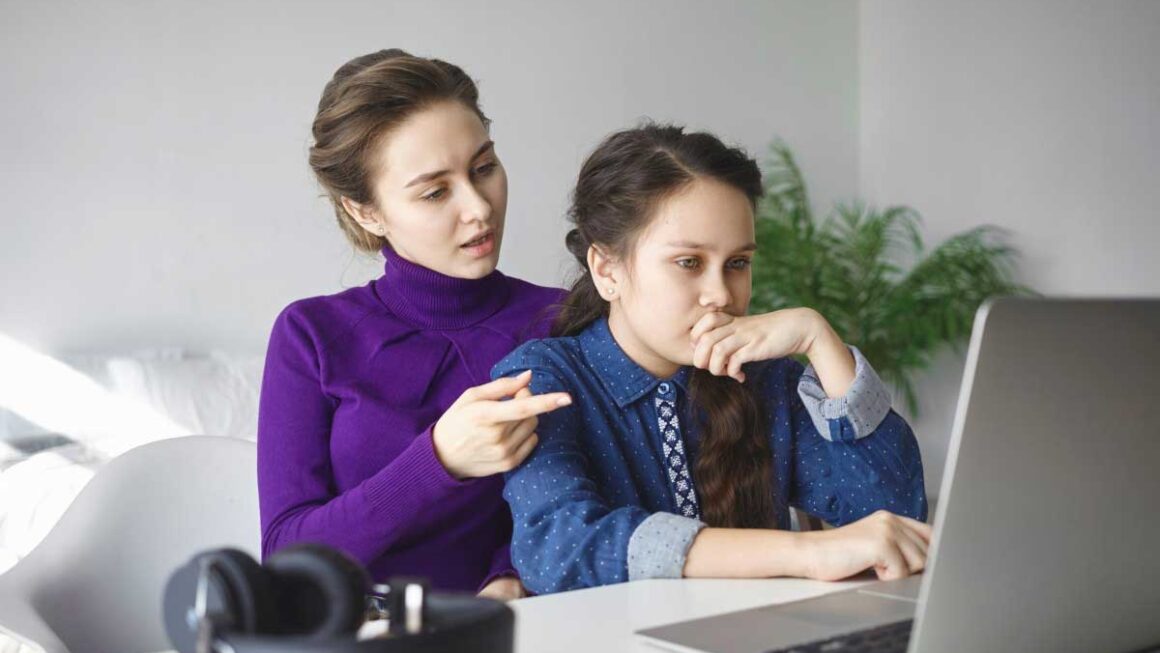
(354, 383)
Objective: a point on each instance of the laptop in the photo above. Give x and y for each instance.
(1047, 531)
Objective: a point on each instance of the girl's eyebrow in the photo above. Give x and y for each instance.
(688, 244)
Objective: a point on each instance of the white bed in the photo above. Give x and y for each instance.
(74, 419)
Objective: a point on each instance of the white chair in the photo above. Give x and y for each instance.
(95, 582)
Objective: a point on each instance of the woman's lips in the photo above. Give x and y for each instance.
(481, 246)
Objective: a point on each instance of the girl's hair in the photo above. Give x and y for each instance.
(620, 186)
(367, 98)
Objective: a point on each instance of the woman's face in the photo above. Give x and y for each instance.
(693, 258)
(441, 192)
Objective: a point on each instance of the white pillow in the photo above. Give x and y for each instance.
(212, 394)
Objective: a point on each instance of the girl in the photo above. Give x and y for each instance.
(378, 432)
(696, 431)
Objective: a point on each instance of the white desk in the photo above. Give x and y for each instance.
(603, 619)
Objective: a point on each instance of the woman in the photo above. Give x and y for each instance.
(693, 431)
(378, 431)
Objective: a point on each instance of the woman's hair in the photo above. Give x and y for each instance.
(620, 186)
(367, 98)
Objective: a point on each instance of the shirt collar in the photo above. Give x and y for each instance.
(621, 376)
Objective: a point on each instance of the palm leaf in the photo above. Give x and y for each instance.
(867, 272)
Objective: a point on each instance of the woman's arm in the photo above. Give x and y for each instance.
(295, 480)
(479, 435)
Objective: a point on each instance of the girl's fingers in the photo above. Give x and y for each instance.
(739, 357)
(893, 564)
(721, 353)
(708, 322)
(914, 550)
(922, 529)
(704, 348)
(919, 543)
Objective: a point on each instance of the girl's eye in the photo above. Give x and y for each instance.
(485, 169)
(739, 263)
(434, 195)
(689, 263)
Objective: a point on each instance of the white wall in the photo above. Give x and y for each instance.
(153, 182)
(1040, 116)
(154, 190)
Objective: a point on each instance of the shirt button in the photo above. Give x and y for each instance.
(664, 387)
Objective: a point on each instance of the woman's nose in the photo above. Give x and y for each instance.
(475, 206)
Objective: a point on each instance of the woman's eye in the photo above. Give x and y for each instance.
(740, 263)
(689, 263)
(434, 195)
(485, 169)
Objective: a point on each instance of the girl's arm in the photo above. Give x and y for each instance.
(566, 534)
(893, 546)
(852, 460)
(846, 454)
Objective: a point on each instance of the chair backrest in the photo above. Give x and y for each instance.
(95, 582)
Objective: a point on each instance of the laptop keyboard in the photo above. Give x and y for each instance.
(889, 638)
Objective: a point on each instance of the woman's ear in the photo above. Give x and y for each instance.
(603, 269)
(366, 215)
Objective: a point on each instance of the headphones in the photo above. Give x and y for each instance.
(310, 598)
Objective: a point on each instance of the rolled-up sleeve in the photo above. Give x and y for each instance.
(853, 415)
(659, 546)
(850, 455)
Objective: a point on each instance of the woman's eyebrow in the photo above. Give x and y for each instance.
(688, 244)
(428, 176)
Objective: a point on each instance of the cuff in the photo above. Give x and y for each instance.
(659, 546)
(853, 416)
(501, 565)
(411, 482)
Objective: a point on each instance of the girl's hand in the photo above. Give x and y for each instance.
(891, 545)
(481, 435)
(723, 342)
(504, 588)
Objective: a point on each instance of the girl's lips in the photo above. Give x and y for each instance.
(482, 246)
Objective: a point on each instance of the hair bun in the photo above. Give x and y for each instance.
(577, 245)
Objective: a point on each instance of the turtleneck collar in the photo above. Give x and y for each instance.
(433, 300)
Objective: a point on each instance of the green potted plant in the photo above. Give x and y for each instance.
(867, 271)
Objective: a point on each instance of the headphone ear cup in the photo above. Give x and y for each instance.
(245, 590)
(238, 597)
(318, 591)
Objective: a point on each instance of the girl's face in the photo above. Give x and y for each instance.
(440, 191)
(693, 258)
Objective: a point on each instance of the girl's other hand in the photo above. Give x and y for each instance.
(891, 545)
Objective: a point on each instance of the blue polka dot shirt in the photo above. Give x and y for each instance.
(605, 497)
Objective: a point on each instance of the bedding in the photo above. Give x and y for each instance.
(153, 394)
